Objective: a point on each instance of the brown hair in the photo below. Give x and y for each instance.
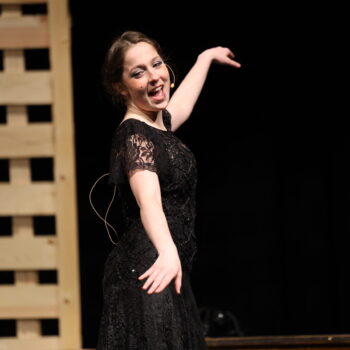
(112, 68)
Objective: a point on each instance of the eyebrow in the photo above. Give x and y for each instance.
(141, 64)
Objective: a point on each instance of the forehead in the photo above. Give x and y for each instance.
(140, 53)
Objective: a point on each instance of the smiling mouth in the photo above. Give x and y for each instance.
(156, 90)
(157, 94)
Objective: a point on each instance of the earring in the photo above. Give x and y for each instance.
(173, 83)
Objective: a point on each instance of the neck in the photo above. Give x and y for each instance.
(150, 116)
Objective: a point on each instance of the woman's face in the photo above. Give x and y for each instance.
(146, 81)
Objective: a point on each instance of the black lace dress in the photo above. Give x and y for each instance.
(131, 318)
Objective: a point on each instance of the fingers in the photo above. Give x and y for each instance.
(159, 275)
(162, 285)
(228, 57)
(234, 64)
(153, 277)
(147, 273)
(178, 282)
(230, 53)
(231, 61)
(158, 281)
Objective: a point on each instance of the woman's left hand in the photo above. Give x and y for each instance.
(221, 55)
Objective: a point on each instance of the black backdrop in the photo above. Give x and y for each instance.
(271, 148)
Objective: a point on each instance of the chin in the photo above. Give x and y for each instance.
(161, 105)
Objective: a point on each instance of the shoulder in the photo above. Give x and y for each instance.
(131, 127)
(133, 135)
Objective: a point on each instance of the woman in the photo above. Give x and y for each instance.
(148, 300)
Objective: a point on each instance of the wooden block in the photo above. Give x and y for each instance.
(25, 88)
(14, 61)
(28, 302)
(22, 226)
(26, 141)
(19, 171)
(32, 199)
(64, 168)
(26, 278)
(19, 88)
(32, 253)
(20, 2)
(24, 32)
(43, 343)
(16, 116)
(11, 10)
(28, 329)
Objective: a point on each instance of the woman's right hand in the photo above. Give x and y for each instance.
(165, 268)
(221, 55)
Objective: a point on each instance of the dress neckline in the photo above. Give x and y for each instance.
(147, 123)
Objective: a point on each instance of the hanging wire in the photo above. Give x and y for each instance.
(105, 218)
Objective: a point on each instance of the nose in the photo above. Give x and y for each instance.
(153, 75)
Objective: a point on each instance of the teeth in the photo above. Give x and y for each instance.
(157, 89)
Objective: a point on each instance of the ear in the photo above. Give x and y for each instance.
(120, 88)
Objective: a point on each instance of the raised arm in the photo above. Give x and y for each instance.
(185, 97)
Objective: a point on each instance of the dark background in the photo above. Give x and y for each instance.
(272, 153)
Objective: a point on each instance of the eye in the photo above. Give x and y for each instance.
(136, 74)
(158, 63)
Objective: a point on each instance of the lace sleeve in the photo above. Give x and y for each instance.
(133, 148)
(139, 154)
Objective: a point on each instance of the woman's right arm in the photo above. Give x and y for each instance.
(146, 189)
(184, 98)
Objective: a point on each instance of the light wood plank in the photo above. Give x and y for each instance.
(11, 10)
(19, 171)
(26, 278)
(16, 116)
(33, 199)
(69, 294)
(14, 61)
(22, 2)
(22, 226)
(28, 329)
(18, 21)
(43, 343)
(25, 88)
(28, 302)
(33, 253)
(25, 32)
(33, 140)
